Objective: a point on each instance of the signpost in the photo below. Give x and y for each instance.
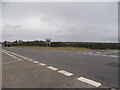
(48, 42)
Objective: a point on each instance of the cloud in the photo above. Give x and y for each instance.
(9, 26)
(45, 19)
(60, 21)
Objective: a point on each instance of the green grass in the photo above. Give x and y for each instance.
(57, 48)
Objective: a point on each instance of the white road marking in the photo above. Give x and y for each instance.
(104, 55)
(113, 89)
(96, 54)
(35, 61)
(42, 64)
(19, 59)
(52, 68)
(10, 55)
(26, 58)
(113, 56)
(91, 82)
(17, 54)
(65, 73)
(30, 59)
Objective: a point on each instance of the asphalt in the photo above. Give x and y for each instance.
(25, 74)
(98, 68)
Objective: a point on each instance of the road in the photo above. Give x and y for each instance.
(101, 69)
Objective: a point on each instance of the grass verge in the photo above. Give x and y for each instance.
(56, 48)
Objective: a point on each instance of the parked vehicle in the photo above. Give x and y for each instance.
(6, 44)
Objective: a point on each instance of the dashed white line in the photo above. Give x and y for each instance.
(91, 82)
(35, 61)
(65, 73)
(112, 56)
(30, 59)
(10, 55)
(42, 64)
(52, 68)
(19, 59)
(16, 54)
(85, 80)
(25, 58)
(19, 55)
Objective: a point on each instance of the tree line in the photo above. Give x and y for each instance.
(90, 45)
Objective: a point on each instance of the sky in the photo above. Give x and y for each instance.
(60, 21)
(0, 22)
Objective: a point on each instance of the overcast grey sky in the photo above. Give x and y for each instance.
(81, 22)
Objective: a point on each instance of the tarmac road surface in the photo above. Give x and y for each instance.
(58, 68)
